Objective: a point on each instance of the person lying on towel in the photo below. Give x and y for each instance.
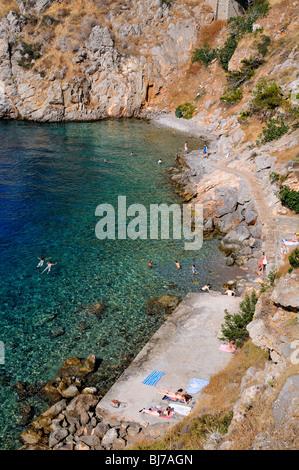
(180, 395)
(168, 413)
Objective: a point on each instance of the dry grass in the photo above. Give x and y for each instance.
(210, 33)
(259, 419)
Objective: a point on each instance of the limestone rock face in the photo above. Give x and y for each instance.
(286, 293)
(106, 73)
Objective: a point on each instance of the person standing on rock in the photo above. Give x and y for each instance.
(263, 262)
(186, 148)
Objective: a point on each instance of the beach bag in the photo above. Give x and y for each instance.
(115, 403)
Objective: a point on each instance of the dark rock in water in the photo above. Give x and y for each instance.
(56, 332)
(25, 390)
(97, 309)
(83, 326)
(163, 305)
(76, 367)
(27, 412)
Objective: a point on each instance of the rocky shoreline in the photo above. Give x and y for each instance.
(75, 420)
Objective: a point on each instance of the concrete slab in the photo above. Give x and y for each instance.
(186, 346)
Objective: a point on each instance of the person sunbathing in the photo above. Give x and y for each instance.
(159, 413)
(179, 395)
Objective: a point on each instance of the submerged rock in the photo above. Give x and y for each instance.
(163, 305)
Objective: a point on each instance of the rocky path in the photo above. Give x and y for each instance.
(275, 227)
(268, 220)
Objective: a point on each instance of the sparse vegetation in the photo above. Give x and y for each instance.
(185, 111)
(273, 275)
(204, 55)
(275, 128)
(29, 54)
(234, 327)
(289, 198)
(232, 95)
(267, 96)
(294, 258)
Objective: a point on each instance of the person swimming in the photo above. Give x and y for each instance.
(194, 270)
(150, 264)
(41, 261)
(177, 264)
(48, 267)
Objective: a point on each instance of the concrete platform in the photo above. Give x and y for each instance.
(186, 346)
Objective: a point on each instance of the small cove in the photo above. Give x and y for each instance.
(52, 177)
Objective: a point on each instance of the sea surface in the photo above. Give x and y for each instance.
(52, 178)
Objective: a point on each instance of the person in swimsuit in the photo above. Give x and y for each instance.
(206, 288)
(194, 270)
(48, 268)
(150, 264)
(41, 261)
(177, 264)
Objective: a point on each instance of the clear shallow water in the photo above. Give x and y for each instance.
(52, 177)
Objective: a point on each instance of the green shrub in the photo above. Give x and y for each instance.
(294, 258)
(275, 128)
(234, 327)
(267, 95)
(237, 77)
(185, 111)
(227, 51)
(274, 177)
(232, 95)
(29, 54)
(205, 55)
(262, 47)
(289, 198)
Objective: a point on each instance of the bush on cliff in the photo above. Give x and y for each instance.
(294, 258)
(234, 327)
(289, 198)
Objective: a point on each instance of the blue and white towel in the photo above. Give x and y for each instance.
(288, 241)
(153, 378)
(195, 385)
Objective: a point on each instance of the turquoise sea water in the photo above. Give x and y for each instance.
(52, 177)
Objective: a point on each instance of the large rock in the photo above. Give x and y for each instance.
(286, 293)
(81, 404)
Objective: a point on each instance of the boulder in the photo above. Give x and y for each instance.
(286, 292)
(110, 437)
(165, 304)
(80, 404)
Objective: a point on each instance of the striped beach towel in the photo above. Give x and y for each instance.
(153, 378)
(289, 242)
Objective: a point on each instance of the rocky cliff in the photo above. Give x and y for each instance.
(93, 59)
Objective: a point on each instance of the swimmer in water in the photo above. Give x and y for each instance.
(41, 261)
(48, 268)
(160, 161)
(194, 270)
(177, 264)
(150, 264)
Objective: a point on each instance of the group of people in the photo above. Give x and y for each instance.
(49, 264)
(178, 265)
